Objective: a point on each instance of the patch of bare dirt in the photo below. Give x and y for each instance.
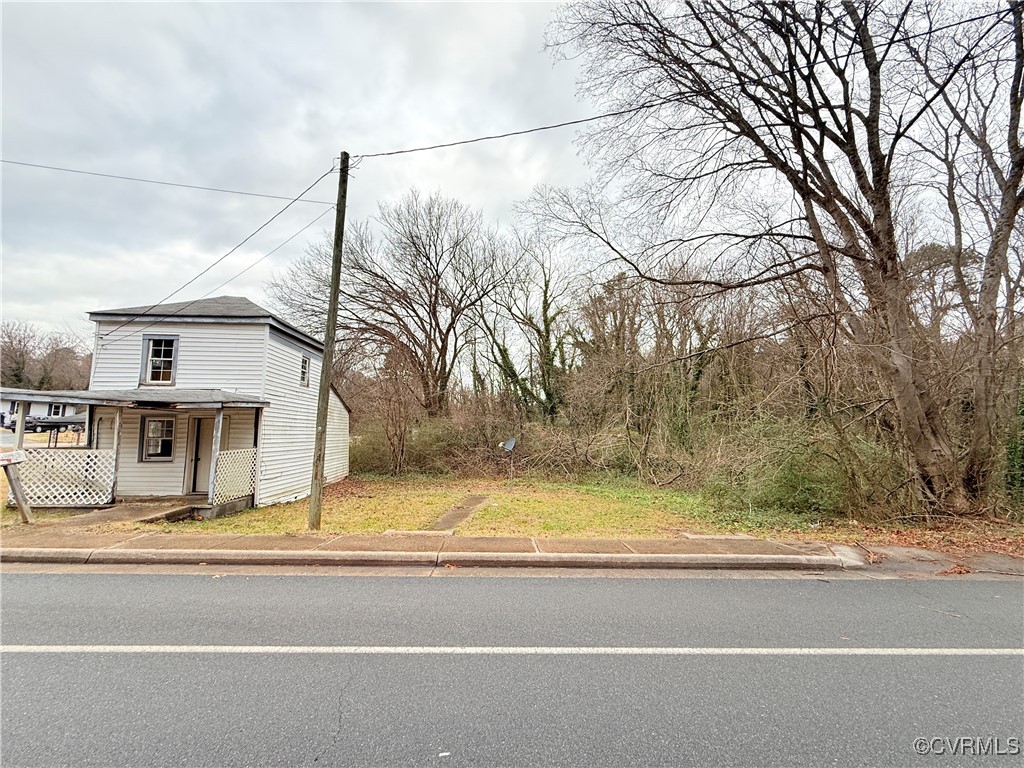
(348, 488)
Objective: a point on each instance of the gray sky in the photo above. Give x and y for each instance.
(256, 97)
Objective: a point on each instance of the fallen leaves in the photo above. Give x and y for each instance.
(957, 569)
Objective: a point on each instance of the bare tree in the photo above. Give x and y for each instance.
(19, 346)
(528, 331)
(783, 141)
(33, 359)
(411, 279)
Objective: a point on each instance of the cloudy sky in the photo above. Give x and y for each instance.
(256, 97)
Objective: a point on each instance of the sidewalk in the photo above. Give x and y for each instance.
(51, 543)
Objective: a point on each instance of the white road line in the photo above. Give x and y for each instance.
(433, 650)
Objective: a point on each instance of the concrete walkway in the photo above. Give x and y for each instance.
(62, 543)
(458, 514)
(129, 512)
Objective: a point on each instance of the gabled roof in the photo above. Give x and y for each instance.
(223, 308)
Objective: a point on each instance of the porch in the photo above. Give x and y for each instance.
(199, 446)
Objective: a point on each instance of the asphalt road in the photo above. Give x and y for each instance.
(476, 671)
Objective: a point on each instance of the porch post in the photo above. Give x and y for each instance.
(257, 443)
(117, 450)
(218, 422)
(19, 431)
(89, 415)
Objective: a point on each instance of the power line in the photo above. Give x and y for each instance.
(268, 254)
(518, 133)
(641, 107)
(237, 275)
(161, 183)
(218, 261)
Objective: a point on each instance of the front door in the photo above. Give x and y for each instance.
(202, 455)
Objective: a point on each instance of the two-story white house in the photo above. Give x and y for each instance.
(214, 400)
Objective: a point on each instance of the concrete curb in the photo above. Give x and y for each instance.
(464, 559)
(593, 560)
(256, 557)
(44, 555)
(849, 556)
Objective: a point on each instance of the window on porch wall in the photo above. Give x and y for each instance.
(158, 438)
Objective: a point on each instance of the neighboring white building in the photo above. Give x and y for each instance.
(215, 398)
(41, 409)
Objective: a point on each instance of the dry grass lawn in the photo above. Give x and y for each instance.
(374, 504)
(354, 505)
(613, 509)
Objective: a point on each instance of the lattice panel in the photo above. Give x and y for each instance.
(67, 477)
(235, 475)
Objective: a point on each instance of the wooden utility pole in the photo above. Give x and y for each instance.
(327, 365)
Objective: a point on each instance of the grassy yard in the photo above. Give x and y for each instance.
(604, 509)
(355, 505)
(617, 508)
(374, 504)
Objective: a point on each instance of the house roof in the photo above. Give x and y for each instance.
(140, 398)
(218, 308)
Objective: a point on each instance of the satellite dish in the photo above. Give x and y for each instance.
(509, 444)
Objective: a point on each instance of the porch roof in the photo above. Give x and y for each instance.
(140, 398)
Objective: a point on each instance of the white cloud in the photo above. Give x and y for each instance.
(256, 97)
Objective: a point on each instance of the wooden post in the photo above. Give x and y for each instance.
(323, 402)
(19, 431)
(218, 423)
(257, 443)
(117, 450)
(10, 464)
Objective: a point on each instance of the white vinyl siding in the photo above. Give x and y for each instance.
(289, 425)
(228, 356)
(150, 478)
(103, 424)
(336, 463)
(236, 432)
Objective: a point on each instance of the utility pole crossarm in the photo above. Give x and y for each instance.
(327, 364)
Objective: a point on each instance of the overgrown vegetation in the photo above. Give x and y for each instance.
(794, 290)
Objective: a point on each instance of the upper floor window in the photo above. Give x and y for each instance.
(55, 409)
(159, 359)
(304, 372)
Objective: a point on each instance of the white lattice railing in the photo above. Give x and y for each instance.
(67, 477)
(235, 475)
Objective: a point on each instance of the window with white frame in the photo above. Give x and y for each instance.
(304, 372)
(157, 438)
(55, 409)
(159, 358)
